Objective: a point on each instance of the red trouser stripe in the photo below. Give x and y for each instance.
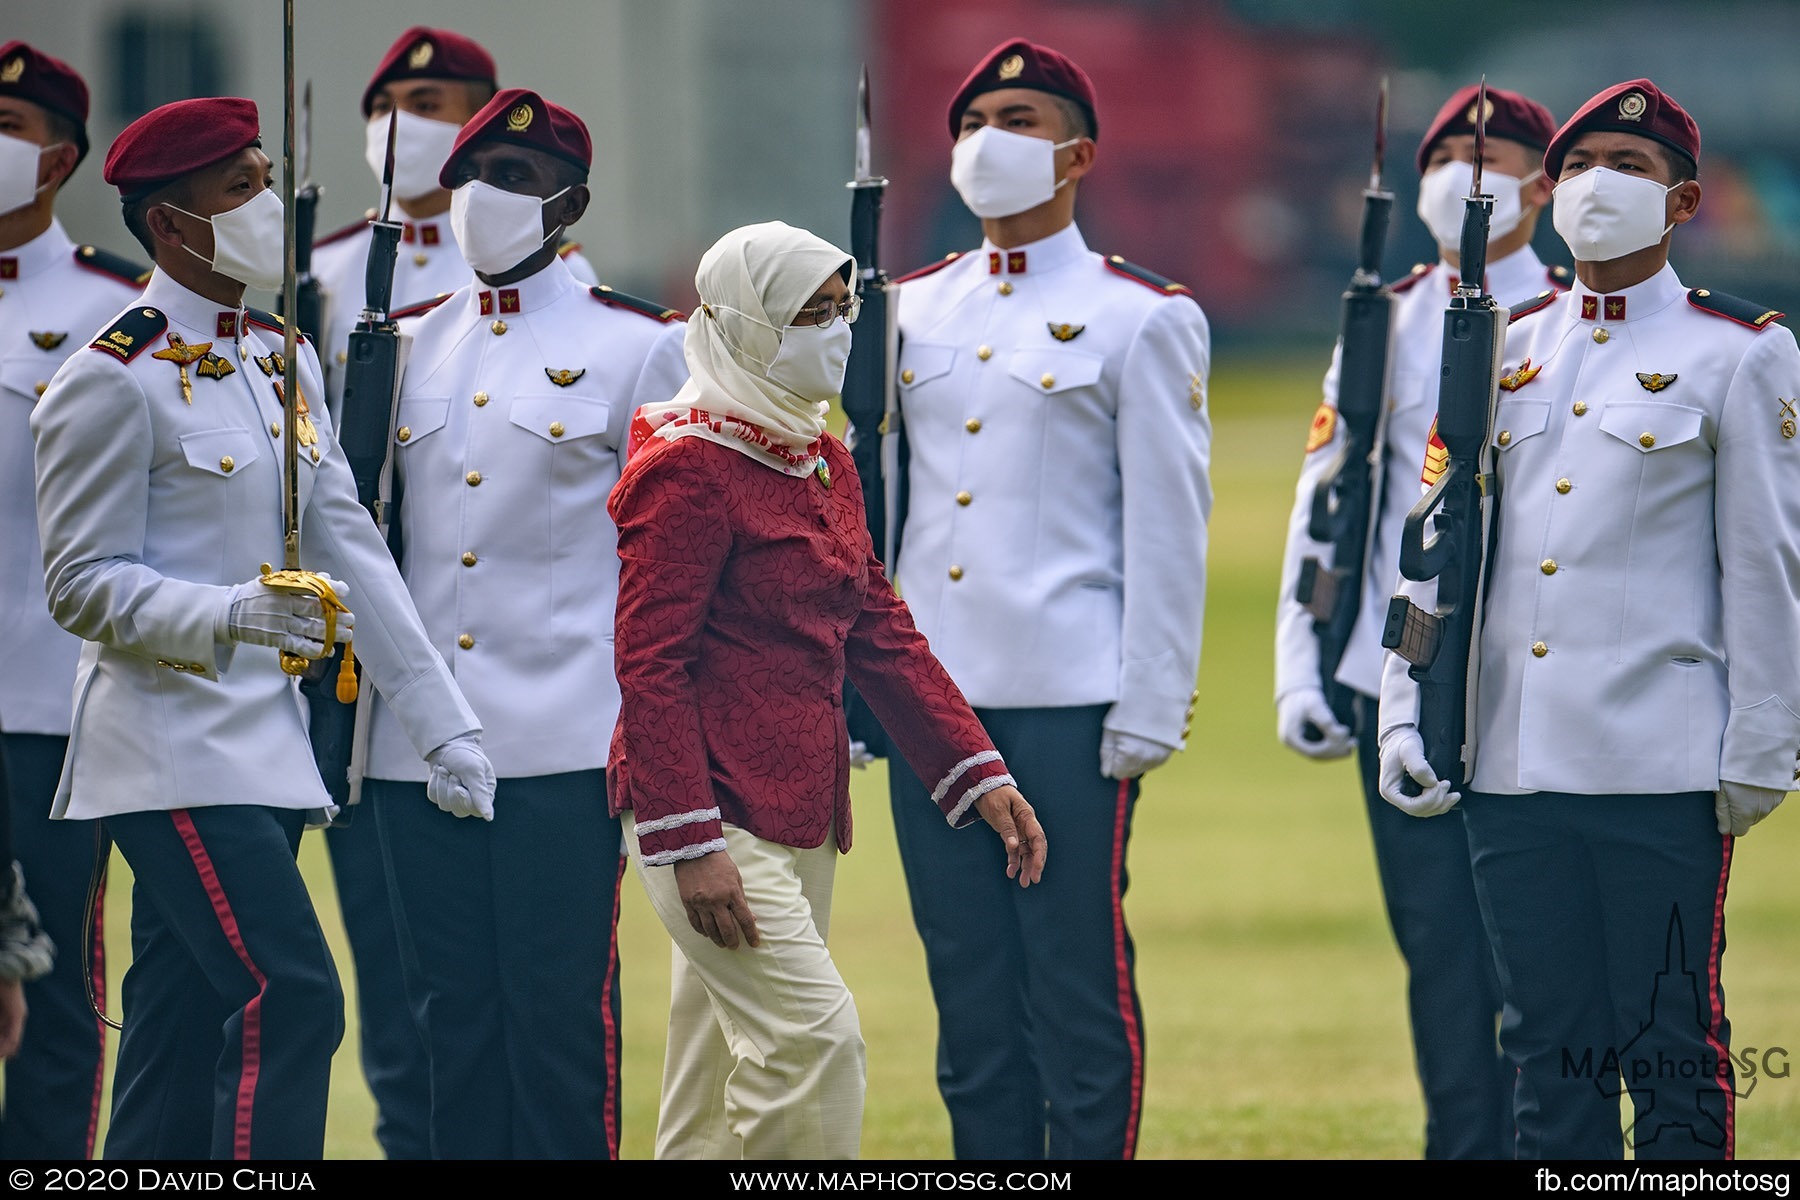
(251, 1058)
(1127, 1004)
(1715, 999)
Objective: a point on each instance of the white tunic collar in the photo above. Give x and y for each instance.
(527, 295)
(1628, 304)
(1035, 258)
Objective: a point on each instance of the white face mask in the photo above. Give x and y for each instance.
(497, 229)
(19, 160)
(1603, 214)
(421, 147)
(811, 360)
(1444, 190)
(249, 241)
(999, 173)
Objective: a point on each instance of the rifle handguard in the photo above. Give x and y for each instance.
(295, 582)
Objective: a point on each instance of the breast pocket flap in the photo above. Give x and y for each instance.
(1652, 427)
(1052, 371)
(563, 418)
(221, 452)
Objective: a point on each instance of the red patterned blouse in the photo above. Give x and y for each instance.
(744, 596)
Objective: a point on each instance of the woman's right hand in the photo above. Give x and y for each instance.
(712, 892)
(1016, 822)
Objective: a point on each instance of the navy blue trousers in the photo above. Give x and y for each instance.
(1607, 916)
(395, 1063)
(53, 1085)
(513, 966)
(1452, 990)
(232, 1008)
(1066, 1080)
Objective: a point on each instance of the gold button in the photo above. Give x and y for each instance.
(274, 429)
(955, 572)
(1646, 440)
(1548, 566)
(1049, 380)
(1600, 335)
(1005, 288)
(469, 559)
(419, 260)
(963, 498)
(984, 353)
(906, 376)
(1505, 437)
(498, 327)
(41, 386)
(404, 433)
(225, 464)
(343, 356)
(315, 454)
(973, 424)
(473, 478)
(1538, 649)
(1581, 408)
(196, 668)
(466, 641)
(556, 429)
(481, 398)
(1563, 486)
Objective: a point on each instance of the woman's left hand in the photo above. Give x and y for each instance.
(1016, 822)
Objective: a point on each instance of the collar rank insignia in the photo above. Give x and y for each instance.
(272, 364)
(214, 366)
(1655, 381)
(1065, 332)
(1525, 374)
(48, 341)
(181, 354)
(563, 377)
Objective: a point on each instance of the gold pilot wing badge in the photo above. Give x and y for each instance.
(272, 364)
(1065, 332)
(563, 377)
(181, 354)
(49, 341)
(1655, 381)
(1524, 375)
(214, 366)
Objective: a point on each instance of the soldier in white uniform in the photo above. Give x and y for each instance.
(1053, 554)
(1639, 657)
(159, 461)
(1453, 995)
(514, 408)
(54, 295)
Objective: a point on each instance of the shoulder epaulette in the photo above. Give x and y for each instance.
(269, 320)
(135, 329)
(1733, 308)
(928, 268)
(115, 265)
(350, 230)
(564, 249)
(1148, 278)
(649, 308)
(1560, 277)
(1536, 304)
(423, 306)
(1418, 272)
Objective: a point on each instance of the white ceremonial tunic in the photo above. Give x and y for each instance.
(1054, 548)
(510, 436)
(150, 508)
(1415, 357)
(51, 306)
(1642, 628)
(430, 264)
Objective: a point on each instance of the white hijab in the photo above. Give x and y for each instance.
(751, 283)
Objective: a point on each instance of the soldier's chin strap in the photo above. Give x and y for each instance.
(90, 923)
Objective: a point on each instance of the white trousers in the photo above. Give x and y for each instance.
(765, 1055)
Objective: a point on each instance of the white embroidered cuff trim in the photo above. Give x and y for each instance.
(666, 857)
(975, 793)
(956, 772)
(661, 824)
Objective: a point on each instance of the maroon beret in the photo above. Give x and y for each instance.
(169, 142)
(426, 53)
(1021, 64)
(523, 118)
(51, 83)
(1509, 115)
(1638, 107)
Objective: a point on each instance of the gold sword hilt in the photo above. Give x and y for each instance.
(295, 582)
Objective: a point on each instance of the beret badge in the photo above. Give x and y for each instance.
(1632, 106)
(1487, 112)
(519, 119)
(420, 56)
(13, 70)
(1012, 66)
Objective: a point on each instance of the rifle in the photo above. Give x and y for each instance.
(1347, 499)
(1442, 646)
(870, 405)
(307, 303)
(365, 433)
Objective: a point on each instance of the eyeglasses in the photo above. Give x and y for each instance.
(822, 314)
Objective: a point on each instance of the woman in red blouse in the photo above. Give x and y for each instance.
(748, 587)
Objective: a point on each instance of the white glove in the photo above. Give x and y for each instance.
(859, 754)
(1297, 710)
(1403, 757)
(1738, 806)
(1126, 756)
(462, 778)
(294, 623)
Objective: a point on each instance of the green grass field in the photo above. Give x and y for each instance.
(1273, 994)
